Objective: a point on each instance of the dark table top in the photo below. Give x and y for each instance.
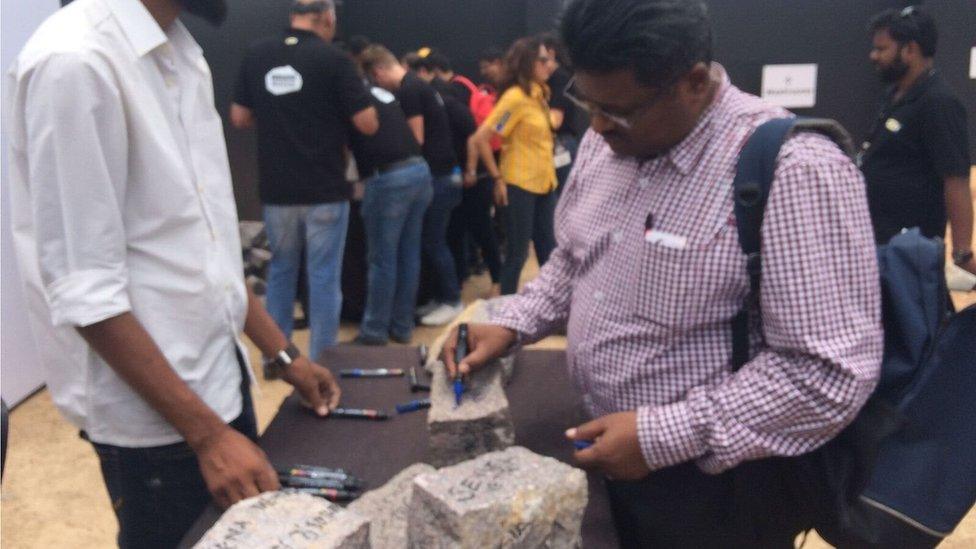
(542, 401)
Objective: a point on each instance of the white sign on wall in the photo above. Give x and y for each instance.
(972, 63)
(790, 86)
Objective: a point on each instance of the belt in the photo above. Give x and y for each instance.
(399, 164)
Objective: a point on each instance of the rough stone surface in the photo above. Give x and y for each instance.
(511, 499)
(388, 507)
(481, 423)
(284, 520)
(477, 312)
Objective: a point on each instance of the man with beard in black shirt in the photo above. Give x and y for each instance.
(916, 158)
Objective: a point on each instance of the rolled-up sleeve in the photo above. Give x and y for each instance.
(76, 143)
(820, 307)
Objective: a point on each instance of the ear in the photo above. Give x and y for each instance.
(911, 51)
(699, 79)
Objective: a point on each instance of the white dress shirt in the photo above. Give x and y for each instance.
(121, 202)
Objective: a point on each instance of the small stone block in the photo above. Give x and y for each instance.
(511, 499)
(284, 520)
(388, 508)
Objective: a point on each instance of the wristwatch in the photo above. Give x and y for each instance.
(959, 257)
(276, 366)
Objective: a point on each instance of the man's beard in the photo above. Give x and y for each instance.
(893, 72)
(212, 11)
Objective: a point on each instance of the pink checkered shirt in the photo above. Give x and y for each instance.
(649, 322)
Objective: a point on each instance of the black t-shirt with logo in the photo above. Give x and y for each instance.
(418, 98)
(303, 93)
(917, 141)
(392, 143)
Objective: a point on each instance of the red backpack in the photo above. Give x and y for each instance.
(481, 104)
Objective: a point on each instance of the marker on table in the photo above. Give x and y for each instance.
(582, 444)
(460, 351)
(326, 473)
(305, 482)
(413, 406)
(330, 494)
(415, 385)
(358, 413)
(377, 372)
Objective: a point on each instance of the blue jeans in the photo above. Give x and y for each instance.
(446, 197)
(321, 230)
(393, 211)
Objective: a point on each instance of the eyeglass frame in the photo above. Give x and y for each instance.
(626, 121)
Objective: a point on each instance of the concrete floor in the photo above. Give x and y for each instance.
(53, 496)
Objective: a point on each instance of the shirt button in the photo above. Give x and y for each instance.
(617, 236)
(598, 295)
(643, 182)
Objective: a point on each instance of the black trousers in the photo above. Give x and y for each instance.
(471, 223)
(682, 507)
(158, 493)
(528, 217)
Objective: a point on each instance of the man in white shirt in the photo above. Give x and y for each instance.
(126, 232)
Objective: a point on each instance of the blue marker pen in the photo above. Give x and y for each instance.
(460, 352)
(582, 444)
(413, 406)
(378, 372)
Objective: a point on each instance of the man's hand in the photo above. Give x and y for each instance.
(501, 193)
(316, 385)
(470, 179)
(233, 467)
(486, 342)
(616, 451)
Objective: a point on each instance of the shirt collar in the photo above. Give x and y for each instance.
(685, 154)
(142, 31)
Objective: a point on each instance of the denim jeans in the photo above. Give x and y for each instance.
(158, 493)
(529, 216)
(447, 196)
(393, 212)
(319, 229)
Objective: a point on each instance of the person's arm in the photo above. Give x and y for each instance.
(366, 121)
(416, 124)
(959, 206)
(502, 121)
(820, 307)
(353, 96)
(233, 467)
(316, 384)
(241, 117)
(77, 150)
(556, 118)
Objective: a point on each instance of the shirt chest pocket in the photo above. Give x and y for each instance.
(683, 285)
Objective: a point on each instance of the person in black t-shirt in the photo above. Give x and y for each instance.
(473, 216)
(398, 192)
(916, 158)
(427, 116)
(304, 96)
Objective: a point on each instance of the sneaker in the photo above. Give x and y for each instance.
(443, 314)
(369, 341)
(427, 308)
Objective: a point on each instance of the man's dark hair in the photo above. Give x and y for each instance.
(911, 24)
(491, 53)
(306, 7)
(439, 61)
(417, 63)
(357, 44)
(660, 40)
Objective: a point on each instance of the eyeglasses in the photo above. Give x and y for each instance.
(625, 121)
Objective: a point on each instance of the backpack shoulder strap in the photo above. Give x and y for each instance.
(467, 83)
(753, 179)
(751, 186)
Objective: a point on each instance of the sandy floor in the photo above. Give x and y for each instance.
(53, 496)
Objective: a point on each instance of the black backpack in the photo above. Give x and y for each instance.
(903, 473)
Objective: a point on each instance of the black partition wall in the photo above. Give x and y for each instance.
(748, 35)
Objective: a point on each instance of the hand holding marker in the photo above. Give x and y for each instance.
(460, 352)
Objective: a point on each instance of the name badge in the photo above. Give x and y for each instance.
(562, 156)
(893, 125)
(667, 240)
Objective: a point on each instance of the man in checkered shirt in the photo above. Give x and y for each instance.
(648, 275)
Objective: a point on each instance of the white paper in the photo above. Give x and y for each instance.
(972, 63)
(790, 86)
(668, 240)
